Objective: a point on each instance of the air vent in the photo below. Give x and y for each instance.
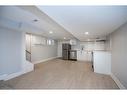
(100, 40)
(35, 20)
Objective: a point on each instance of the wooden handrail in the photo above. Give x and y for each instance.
(28, 52)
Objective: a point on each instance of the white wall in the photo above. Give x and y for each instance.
(108, 43)
(12, 47)
(119, 54)
(43, 52)
(11, 51)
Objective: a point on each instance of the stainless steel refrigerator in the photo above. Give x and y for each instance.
(66, 51)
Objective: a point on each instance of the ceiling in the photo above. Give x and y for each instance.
(99, 21)
(25, 15)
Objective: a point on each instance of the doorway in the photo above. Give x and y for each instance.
(28, 46)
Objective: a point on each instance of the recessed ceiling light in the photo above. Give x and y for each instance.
(86, 33)
(64, 37)
(50, 32)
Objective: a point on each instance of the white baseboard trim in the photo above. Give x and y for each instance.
(44, 60)
(13, 75)
(10, 76)
(120, 85)
(28, 68)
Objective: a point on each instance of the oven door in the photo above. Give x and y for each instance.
(73, 55)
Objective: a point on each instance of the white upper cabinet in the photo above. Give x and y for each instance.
(73, 42)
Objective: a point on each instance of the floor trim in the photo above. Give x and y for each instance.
(10, 76)
(120, 85)
(13, 75)
(44, 60)
(27, 69)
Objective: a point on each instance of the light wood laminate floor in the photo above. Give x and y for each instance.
(60, 74)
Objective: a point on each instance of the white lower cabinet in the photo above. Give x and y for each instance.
(84, 56)
(102, 62)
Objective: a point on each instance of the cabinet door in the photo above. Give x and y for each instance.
(84, 56)
(81, 56)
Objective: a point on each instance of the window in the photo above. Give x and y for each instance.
(38, 40)
(53, 42)
(50, 42)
